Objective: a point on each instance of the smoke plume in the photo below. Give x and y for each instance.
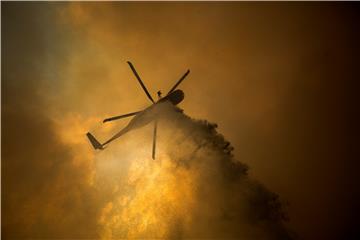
(273, 76)
(194, 189)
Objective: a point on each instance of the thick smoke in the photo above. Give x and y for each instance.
(54, 186)
(63, 70)
(46, 186)
(194, 189)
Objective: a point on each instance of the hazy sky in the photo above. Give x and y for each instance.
(273, 76)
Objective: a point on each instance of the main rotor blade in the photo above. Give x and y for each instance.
(178, 82)
(121, 116)
(154, 139)
(141, 83)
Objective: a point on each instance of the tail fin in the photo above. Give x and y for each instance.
(94, 142)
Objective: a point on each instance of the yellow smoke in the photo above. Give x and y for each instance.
(146, 196)
(157, 194)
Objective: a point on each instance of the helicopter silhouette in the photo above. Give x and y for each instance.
(144, 117)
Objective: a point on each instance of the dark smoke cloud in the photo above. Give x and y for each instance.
(207, 192)
(229, 203)
(47, 192)
(274, 76)
(44, 195)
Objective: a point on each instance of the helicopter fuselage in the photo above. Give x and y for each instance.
(152, 112)
(144, 117)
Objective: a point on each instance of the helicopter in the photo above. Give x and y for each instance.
(143, 117)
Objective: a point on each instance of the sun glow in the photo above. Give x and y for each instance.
(156, 194)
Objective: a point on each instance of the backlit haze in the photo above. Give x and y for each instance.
(272, 76)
